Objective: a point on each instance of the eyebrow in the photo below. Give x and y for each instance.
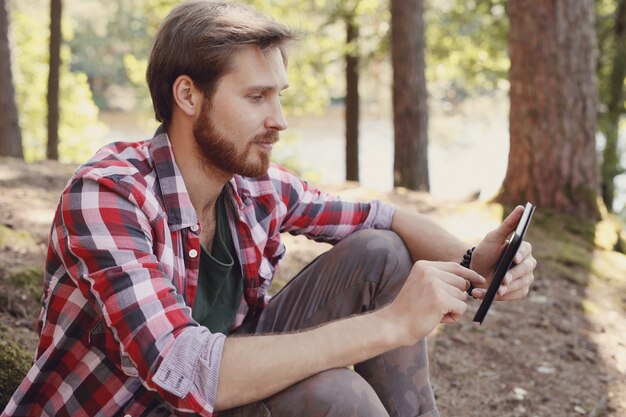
(264, 88)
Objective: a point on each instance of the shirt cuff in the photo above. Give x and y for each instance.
(380, 216)
(192, 364)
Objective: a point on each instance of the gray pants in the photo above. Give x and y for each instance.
(361, 273)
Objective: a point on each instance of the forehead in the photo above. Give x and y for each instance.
(250, 65)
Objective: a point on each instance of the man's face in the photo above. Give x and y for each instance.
(236, 130)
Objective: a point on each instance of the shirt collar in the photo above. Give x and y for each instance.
(178, 207)
(246, 189)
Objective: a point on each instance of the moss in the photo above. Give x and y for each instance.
(14, 364)
(564, 245)
(561, 227)
(570, 254)
(29, 278)
(15, 239)
(560, 271)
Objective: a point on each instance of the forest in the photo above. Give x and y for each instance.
(557, 66)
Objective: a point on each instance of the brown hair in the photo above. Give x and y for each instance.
(199, 38)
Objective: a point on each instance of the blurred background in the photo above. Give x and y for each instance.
(458, 109)
(102, 95)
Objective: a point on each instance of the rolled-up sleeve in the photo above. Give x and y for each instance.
(380, 216)
(192, 365)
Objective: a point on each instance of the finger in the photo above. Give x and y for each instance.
(453, 273)
(456, 309)
(520, 285)
(520, 270)
(504, 230)
(525, 250)
(478, 293)
(519, 288)
(515, 295)
(453, 290)
(448, 280)
(461, 271)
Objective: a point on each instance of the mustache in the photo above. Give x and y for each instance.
(269, 137)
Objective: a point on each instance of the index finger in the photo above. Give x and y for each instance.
(468, 274)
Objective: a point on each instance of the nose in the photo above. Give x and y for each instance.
(276, 119)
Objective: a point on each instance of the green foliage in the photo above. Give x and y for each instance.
(466, 42)
(79, 131)
(611, 75)
(607, 48)
(466, 52)
(28, 278)
(466, 47)
(318, 62)
(14, 363)
(107, 32)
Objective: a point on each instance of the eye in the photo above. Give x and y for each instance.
(256, 97)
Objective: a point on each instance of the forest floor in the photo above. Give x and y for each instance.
(559, 352)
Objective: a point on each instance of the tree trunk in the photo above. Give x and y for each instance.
(609, 121)
(10, 134)
(352, 99)
(56, 37)
(552, 159)
(410, 107)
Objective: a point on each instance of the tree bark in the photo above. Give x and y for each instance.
(552, 159)
(609, 121)
(352, 99)
(410, 107)
(10, 134)
(56, 38)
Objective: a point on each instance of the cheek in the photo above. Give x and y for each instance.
(238, 117)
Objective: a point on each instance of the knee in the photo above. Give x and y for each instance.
(341, 393)
(385, 246)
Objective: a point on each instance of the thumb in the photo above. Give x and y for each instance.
(508, 225)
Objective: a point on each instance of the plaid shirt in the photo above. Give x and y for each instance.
(117, 336)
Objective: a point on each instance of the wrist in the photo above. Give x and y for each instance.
(388, 327)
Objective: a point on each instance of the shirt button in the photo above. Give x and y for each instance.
(193, 253)
(195, 228)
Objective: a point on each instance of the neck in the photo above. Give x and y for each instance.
(204, 182)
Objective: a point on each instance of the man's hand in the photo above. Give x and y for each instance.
(433, 293)
(518, 279)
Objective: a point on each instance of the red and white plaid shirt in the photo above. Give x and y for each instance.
(117, 336)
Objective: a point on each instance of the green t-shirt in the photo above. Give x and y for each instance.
(220, 285)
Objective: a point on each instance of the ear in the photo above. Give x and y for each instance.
(187, 96)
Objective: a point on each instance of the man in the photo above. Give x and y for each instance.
(161, 253)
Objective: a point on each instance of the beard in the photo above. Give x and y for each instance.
(218, 149)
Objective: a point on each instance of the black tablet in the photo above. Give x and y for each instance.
(504, 262)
